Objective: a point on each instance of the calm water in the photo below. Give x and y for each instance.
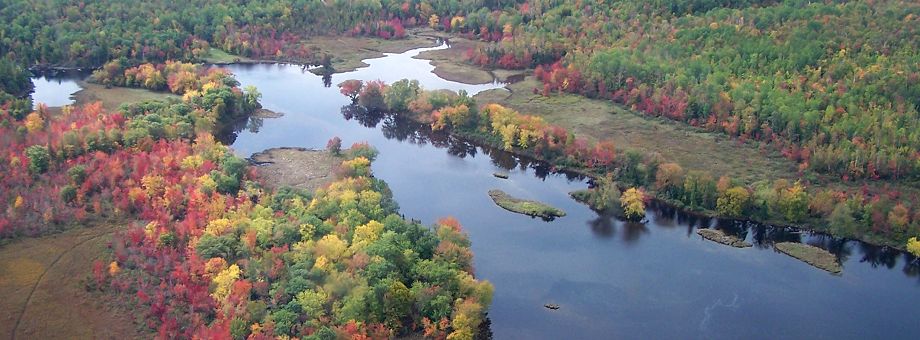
(612, 279)
(56, 90)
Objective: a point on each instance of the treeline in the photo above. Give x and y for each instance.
(886, 217)
(217, 256)
(834, 86)
(92, 33)
(14, 86)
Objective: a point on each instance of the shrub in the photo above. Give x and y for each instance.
(39, 159)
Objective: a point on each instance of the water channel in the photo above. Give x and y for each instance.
(612, 279)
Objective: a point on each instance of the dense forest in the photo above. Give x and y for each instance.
(834, 85)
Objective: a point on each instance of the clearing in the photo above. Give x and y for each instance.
(42, 294)
(296, 167)
(692, 148)
(114, 96)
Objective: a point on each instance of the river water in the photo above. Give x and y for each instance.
(612, 279)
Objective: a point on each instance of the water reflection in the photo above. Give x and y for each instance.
(613, 279)
(55, 88)
(763, 236)
(403, 129)
(659, 286)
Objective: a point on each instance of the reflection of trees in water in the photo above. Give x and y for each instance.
(485, 328)
(605, 225)
(632, 231)
(840, 247)
(602, 225)
(404, 129)
(879, 256)
(254, 124)
(762, 236)
(912, 266)
(739, 229)
(227, 133)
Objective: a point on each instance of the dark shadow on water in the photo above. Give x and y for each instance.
(603, 226)
(400, 128)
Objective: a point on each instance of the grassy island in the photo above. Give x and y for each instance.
(526, 207)
(719, 236)
(812, 255)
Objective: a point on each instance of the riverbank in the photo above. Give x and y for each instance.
(451, 64)
(692, 148)
(598, 120)
(348, 53)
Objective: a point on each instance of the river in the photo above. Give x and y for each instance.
(612, 279)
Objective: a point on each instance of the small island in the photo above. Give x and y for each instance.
(719, 236)
(812, 255)
(526, 207)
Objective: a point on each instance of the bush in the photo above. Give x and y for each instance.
(77, 174)
(39, 159)
(210, 246)
(68, 193)
(362, 150)
(733, 202)
(334, 146)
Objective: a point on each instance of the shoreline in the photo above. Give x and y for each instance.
(807, 226)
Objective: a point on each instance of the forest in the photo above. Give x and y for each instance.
(832, 90)
(208, 251)
(219, 256)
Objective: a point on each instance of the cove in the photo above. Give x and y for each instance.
(56, 89)
(611, 279)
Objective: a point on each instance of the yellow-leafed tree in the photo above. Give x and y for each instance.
(633, 202)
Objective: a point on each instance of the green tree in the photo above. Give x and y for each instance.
(39, 159)
(733, 202)
(400, 93)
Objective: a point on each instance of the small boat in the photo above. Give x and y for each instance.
(552, 306)
(501, 175)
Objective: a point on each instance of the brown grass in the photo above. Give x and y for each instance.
(719, 236)
(692, 148)
(113, 97)
(348, 52)
(296, 167)
(42, 295)
(450, 63)
(812, 255)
